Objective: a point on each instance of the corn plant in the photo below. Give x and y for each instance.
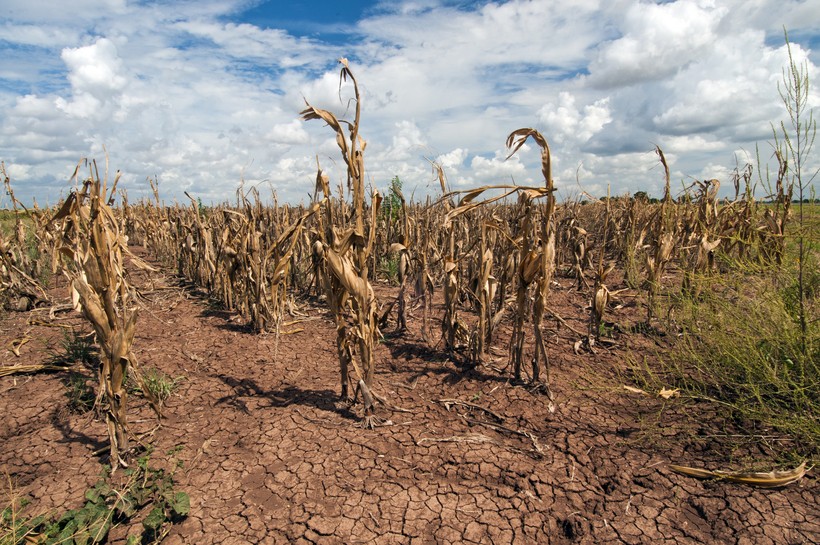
(663, 242)
(546, 255)
(20, 255)
(344, 253)
(600, 292)
(704, 234)
(93, 250)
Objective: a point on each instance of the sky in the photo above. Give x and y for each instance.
(204, 95)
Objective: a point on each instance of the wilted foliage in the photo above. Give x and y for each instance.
(92, 250)
(489, 256)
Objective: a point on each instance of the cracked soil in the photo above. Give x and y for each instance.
(268, 454)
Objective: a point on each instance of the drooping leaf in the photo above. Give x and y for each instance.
(771, 479)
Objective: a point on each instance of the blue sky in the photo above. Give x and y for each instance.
(205, 94)
(331, 22)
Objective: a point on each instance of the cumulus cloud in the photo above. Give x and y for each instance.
(657, 40)
(452, 160)
(19, 172)
(498, 169)
(724, 93)
(95, 68)
(205, 99)
(96, 78)
(408, 142)
(289, 133)
(568, 121)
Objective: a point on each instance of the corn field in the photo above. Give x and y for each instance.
(469, 261)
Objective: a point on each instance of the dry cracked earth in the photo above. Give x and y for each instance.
(268, 454)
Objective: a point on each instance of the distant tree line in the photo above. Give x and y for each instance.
(644, 196)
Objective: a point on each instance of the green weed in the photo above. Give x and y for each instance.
(80, 394)
(76, 347)
(106, 505)
(159, 384)
(389, 267)
(742, 347)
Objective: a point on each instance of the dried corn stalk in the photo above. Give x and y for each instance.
(93, 249)
(403, 250)
(19, 285)
(451, 326)
(704, 236)
(600, 292)
(544, 267)
(662, 246)
(345, 252)
(483, 283)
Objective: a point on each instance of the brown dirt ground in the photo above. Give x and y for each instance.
(269, 455)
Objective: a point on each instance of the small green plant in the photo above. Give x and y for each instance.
(80, 394)
(175, 450)
(158, 384)
(389, 267)
(106, 505)
(76, 347)
(606, 329)
(391, 206)
(169, 504)
(13, 530)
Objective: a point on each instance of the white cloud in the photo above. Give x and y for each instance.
(289, 133)
(691, 143)
(721, 172)
(18, 172)
(408, 142)
(96, 68)
(83, 106)
(452, 160)
(498, 169)
(201, 98)
(270, 46)
(724, 93)
(37, 35)
(95, 74)
(33, 106)
(34, 11)
(657, 41)
(566, 120)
